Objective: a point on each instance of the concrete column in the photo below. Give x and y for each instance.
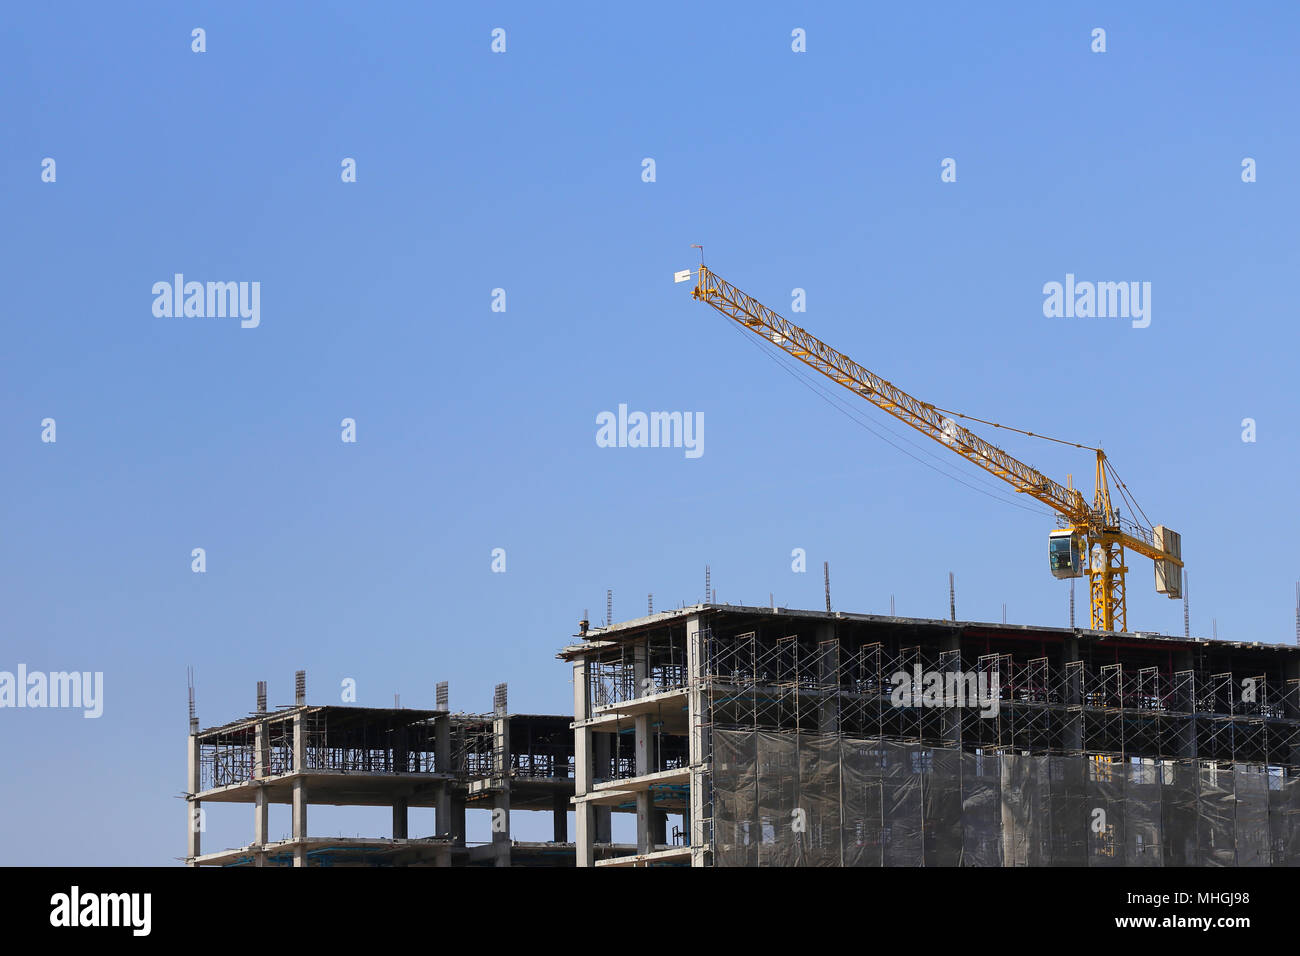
(641, 723)
(698, 744)
(193, 808)
(584, 818)
(1291, 672)
(560, 816)
(602, 771)
(950, 663)
(1185, 702)
(640, 678)
(442, 762)
(261, 811)
(400, 817)
(1072, 678)
(299, 788)
(501, 818)
(300, 820)
(828, 679)
(644, 815)
(458, 817)
(1291, 702)
(501, 799)
(261, 807)
(1069, 650)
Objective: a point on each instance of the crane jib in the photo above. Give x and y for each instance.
(1097, 524)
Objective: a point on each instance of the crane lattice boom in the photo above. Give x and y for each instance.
(1097, 524)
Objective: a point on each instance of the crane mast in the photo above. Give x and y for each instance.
(1094, 538)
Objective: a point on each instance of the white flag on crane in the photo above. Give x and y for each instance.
(683, 276)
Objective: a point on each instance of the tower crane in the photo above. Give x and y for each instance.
(1093, 537)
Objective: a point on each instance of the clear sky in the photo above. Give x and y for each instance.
(476, 429)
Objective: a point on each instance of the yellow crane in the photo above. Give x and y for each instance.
(1094, 537)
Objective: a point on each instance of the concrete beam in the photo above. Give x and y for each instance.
(677, 854)
(677, 775)
(430, 852)
(642, 705)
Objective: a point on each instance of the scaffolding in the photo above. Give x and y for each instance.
(475, 753)
(915, 742)
(332, 741)
(792, 684)
(823, 734)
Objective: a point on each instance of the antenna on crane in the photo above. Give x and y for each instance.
(684, 275)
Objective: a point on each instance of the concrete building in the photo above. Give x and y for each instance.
(757, 736)
(392, 757)
(783, 737)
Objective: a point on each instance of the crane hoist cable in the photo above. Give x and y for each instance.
(1012, 428)
(849, 412)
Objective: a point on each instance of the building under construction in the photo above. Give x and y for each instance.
(396, 757)
(815, 738)
(752, 736)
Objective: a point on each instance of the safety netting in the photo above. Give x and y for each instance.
(795, 799)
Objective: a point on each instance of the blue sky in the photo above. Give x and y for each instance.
(476, 429)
